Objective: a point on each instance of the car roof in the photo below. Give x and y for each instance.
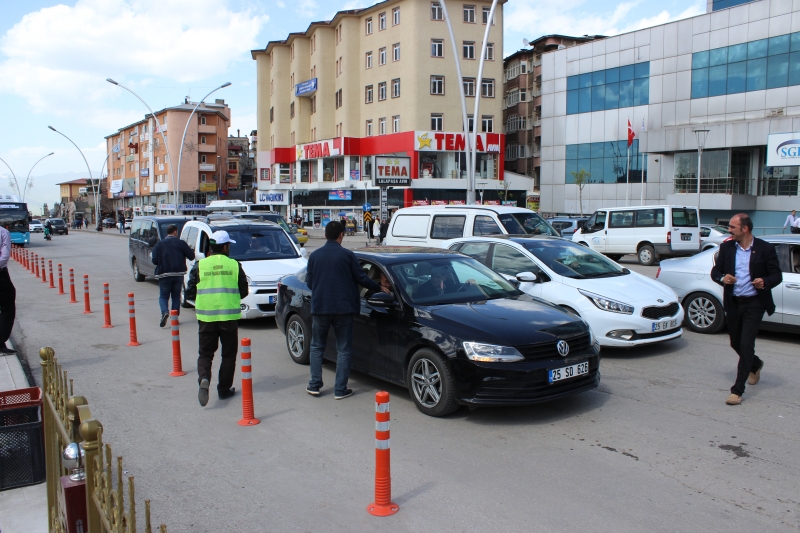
(495, 208)
(782, 239)
(514, 238)
(162, 218)
(401, 254)
(241, 224)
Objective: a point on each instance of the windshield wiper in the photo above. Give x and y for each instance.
(607, 274)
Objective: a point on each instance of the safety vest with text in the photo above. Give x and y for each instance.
(218, 297)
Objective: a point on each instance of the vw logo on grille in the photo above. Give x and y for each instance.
(563, 348)
(660, 301)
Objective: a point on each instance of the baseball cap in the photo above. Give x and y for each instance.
(221, 237)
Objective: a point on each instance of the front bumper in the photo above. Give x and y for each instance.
(604, 322)
(260, 302)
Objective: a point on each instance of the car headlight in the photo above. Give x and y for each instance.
(249, 281)
(612, 306)
(492, 353)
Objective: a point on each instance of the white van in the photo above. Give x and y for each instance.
(651, 232)
(432, 225)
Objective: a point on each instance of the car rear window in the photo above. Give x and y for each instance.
(448, 227)
(684, 217)
(411, 226)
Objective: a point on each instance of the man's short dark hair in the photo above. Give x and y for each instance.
(333, 230)
(217, 248)
(172, 228)
(745, 221)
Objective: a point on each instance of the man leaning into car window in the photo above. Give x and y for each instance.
(441, 282)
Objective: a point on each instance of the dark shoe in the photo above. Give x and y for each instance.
(312, 391)
(224, 395)
(202, 394)
(755, 376)
(346, 394)
(164, 319)
(6, 350)
(734, 399)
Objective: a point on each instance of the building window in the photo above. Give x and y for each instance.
(437, 84)
(313, 134)
(436, 11)
(382, 21)
(202, 159)
(291, 52)
(469, 14)
(486, 11)
(396, 52)
(382, 56)
(487, 88)
(515, 123)
(606, 161)
(202, 177)
(470, 123)
(368, 94)
(382, 126)
(368, 26)
(369, 128)
(396, 124)
(339, 33)
(271, 87)
(338, 98)
(611, 88)
(469, 49)
(339, 66)
(516, 96)
(487, 124)
(395, 16)
(368, 60)
(489, 51)
(437, 47)
(396, 88)
(232, 165)
(313, 101)
(202, 140)
(469, 86)
(291, 110)
(437, 122)
(382, 90)
(202, 120)
(313, 43)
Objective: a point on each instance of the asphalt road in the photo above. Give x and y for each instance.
(653, 449)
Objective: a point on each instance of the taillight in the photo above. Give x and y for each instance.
(669, 237)
(658, 272)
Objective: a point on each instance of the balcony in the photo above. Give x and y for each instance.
(206, 128)
(206, 148)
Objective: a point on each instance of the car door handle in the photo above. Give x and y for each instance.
(792, 286)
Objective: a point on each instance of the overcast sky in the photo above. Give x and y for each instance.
(55, 57)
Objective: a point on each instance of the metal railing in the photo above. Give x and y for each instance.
(778, 187)
(688, 185)
(67, 419)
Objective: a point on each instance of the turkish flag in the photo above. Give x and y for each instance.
(631, 133)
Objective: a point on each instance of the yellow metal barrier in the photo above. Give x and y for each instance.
(67, 419)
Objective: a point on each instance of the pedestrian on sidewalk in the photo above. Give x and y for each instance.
(748, 269)
(792, 221)
(121, 222)
(333, 275)
(384, 229)
(217, 285)
(169, 256)
(8, 294)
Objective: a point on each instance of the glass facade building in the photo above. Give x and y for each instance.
(611, 88)
(606, 162)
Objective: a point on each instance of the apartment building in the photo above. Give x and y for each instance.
(374, 92)
(139, 173)
(727, 80)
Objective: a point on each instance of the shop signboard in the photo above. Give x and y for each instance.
(420, 202)
(145, 172)
(355, 175)
(491, 202)
(783, 150)
(393, 171)
(149, 209)
(439, 202)
(306, 88)
(532, 202)
(316, 150)
(116, 186)
(340, 195)
(206, 167)
(442, 141)
(458, 202)
(191, 207)
(273, 197)
(166, 207)
(208, 186)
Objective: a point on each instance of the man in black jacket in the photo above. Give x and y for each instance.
(748, 269)
(384, 229)
(333, 275)
(169, 256)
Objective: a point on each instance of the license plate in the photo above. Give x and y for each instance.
(557, 374)
(272, 299)
(664, 325)
(686, 236)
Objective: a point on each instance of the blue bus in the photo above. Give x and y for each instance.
(14, 216)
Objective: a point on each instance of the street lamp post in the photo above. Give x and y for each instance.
(14, 177)
(84, 160)
(701, 142)
(28, 186)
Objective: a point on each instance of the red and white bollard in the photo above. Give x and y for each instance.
(248, 412)
(50, 268)
(383, 504)
(60, 280)
(86, 308)
(177, 367)
(132, 321)
(72, 299)
(106, 307)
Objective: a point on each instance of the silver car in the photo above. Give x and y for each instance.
(36, 226)
(690, 278)
(712, 236)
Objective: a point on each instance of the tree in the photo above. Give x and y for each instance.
(581, 178)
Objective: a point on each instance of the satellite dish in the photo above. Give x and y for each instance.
(526, 42)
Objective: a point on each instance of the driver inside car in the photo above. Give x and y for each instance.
(441, 282)
(258, 244)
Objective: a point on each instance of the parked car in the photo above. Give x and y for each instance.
(690, 278)
(57, 226)
(623, 308)
(711, 236)
(265, 251)
(145, 233)
(36, 226)
(567, 226)
(269, 216)
(109, 223)
(300, 233)
(128, 222)
(432, 225)
(465, 346)
(651, 232)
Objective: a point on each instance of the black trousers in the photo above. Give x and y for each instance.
(743, 326)
(8, 305)
(227, 333)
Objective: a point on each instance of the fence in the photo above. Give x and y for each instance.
(67, 419)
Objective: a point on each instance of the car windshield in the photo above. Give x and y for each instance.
(450, 280)
(721, 229)
(527, 223)
(572, 260)
(257, 244)
(56, 222)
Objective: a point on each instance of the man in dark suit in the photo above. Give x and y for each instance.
(333, 274)
(748, 269)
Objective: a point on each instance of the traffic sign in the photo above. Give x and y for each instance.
(366, 207)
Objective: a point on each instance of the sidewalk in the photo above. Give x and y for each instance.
(22, 510)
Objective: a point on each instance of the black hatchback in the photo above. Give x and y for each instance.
(146, 231)
(453, 331)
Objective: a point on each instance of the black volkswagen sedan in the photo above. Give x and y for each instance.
(453, 331)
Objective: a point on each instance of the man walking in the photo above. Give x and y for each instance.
(793, 222)
(169, 256)
(384, 229)
(8, 294)
(121, 222)
(217, 285)
(333, 274)
(748, 269)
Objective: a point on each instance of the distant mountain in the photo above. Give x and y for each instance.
(44, 188)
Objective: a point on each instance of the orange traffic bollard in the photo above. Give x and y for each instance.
(86, 308)
(36, 260)
(248, 413)
(106, 307)
(50, 268)
(132, 320)
(44, 271)
(177, 368)
(72, 299)
(60, 280)
(383, 504)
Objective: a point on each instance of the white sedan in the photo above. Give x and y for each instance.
(623, 308)
(713, 236)
(36, 226)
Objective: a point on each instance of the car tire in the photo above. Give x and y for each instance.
(184, 303)
(647, 255)
(704, 313)
(137, 276)
(614, 257)
(425, 366)
(298, 340)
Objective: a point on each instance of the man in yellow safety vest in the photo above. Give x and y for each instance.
(217, 284)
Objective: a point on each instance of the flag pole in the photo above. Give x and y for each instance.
(642, 171)
(628, 178)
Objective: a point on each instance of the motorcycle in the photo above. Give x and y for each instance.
(47, 236)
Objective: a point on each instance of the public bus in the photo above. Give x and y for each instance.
(15, 217)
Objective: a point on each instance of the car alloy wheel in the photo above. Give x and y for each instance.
(137, 276)
(431, 384)
(296, 340)
(703, 314)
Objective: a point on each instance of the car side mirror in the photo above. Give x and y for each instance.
(381, 299)
(303, 252)
(529, 277)
(199, 255)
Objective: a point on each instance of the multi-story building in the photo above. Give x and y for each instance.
(374, 92)
(139, 173)
(522, 106)
(728, 78)
(241, 168)
(77, 199)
